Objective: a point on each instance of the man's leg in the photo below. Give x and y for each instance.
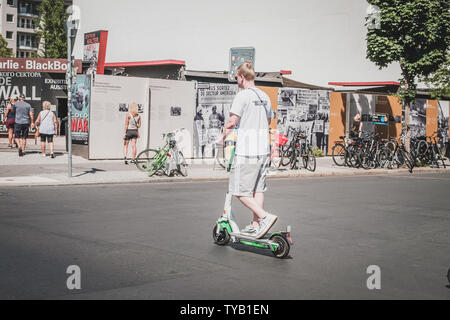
(254, 206)
(17, 135)
(259, 198)
(24, 144)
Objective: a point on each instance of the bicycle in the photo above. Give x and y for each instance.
(153, 160)
(345, 152)
(396, 154)
(299, 148)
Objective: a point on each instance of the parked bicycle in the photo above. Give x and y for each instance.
(428, 151)
(168, 159)
(396, 154)
(299, 152)
(345, 152)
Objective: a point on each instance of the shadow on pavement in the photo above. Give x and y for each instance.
(92, 171)
(260, 251)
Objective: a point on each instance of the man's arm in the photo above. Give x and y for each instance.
(6, 113)
(231, 124)
(32, 119)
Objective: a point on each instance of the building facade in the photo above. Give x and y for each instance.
(18, 26)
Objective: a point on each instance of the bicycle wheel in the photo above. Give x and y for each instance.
(147, 161)
(182, 165)
(385, 158)
(354, 158)
(422, 148)
(338, 154)
(366, 160)
(286, 156)
(295, 154)
(309, 160)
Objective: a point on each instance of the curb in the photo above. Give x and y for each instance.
(216, 179)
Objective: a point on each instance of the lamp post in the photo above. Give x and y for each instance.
(72, 26)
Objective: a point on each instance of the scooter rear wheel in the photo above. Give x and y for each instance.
(284, 247)
(222, 238)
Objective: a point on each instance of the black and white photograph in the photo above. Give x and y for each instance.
(213, 109)
(418, 118)
(443, 120)
(309, 114)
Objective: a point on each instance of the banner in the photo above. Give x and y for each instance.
(95, 51)
(80, 109)
(13, 84)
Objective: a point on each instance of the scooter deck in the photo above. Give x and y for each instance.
(240, 236)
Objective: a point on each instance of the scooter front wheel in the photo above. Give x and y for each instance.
(222, 237)
(283, 247)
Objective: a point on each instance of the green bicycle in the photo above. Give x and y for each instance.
(163, 159)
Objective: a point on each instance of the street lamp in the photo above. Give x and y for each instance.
(71, 27)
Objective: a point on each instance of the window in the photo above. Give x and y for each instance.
(9, 18)
(9, 35)
(10, 2)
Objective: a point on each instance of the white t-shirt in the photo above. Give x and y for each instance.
(253, 128)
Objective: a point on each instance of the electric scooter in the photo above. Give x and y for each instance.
(226, 230)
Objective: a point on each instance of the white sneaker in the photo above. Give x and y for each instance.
(43, 155)
(249, 230)
(265, 225)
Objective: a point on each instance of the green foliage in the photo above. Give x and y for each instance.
(5, 52)
(50, 29)
(414, 33)
(439, 81)
(318, 153)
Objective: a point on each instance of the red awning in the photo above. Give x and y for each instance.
(145, 63)
(364, 84)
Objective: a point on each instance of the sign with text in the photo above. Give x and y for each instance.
(36, 65)
(95, 51)
(240, 56)
(380, 119)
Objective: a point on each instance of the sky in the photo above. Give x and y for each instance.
(320, 41)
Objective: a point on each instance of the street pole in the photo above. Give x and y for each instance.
(71, 27)
(69, 97)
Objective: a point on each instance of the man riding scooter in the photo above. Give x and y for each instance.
(251, 114)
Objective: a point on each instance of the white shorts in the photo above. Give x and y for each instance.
(248, 175)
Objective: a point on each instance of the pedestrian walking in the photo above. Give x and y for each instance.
(47, 123)
(24, 119)
(132, 125)
(10, 120)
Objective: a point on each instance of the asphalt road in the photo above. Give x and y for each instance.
(154, 241)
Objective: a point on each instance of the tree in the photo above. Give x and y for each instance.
(5, 52)
(439, 81)
(414, 33)
(50, 29)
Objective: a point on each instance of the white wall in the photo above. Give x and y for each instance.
(165, 95)
(319, 41)
(107, 122)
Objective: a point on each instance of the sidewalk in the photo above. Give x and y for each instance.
(34, 170)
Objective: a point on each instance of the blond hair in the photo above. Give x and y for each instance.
(46, 105)
(134, 109)
(246, 70)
